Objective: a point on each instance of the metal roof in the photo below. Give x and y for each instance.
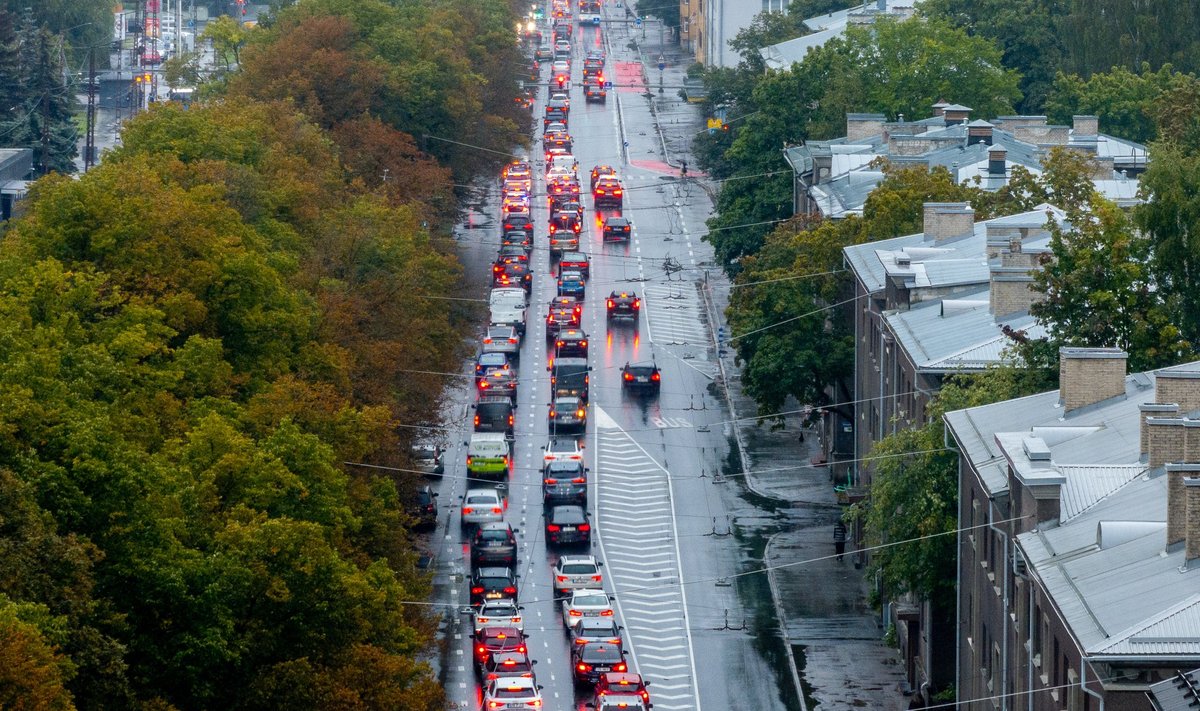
(1179, 693)
(938, 339)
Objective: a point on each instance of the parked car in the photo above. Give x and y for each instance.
(424, 509)
(428, 458)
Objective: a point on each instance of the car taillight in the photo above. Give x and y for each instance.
(629, 376)
(510, 590)
(481, 649)
(477, 590)
(585, 527)
(579, 480)
(583, 667)
(606, 613)
(579, 412)
(554, 528)
(610, 303)
(561, 578)
(599, 191)
(637, 303)
(583, 344)
(512, 340)
(484, 385)
(510, 420)
(621, 667)
(596, 578)
(467, 510)
(553, 413)
(477, 420)
(655, 377)
(616, 192)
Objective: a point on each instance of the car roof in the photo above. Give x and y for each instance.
(642, 364)
(494, 525)
(494, 400)
(494, 571)
(565, 508)
(482, 492)
(577, 558)
(565, 464)
(573, 257)
(616, 220)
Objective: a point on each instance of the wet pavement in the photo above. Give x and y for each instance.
(819, 623)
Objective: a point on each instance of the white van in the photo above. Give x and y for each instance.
(562, 161)
(488, 456)
(508, 308)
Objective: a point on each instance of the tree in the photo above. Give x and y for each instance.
(45, 122)
(1124, 101)
(81, 24)
(227, 37)
(32, 671)
(1099, 290)
(182, 70)
(1171, 221)
(890, 67)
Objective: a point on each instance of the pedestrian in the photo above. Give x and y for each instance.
(683, 169)
(839, 539)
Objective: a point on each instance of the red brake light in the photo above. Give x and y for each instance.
(596, 578)
(468, 510)
(477, 420)
(584, 667)
(621, 667)
(585, 527)
(475, 591)
(554, 528)
(510, 590)
(550, 482)
(655, 377)
(629, 376)
(617, 191)
(637, 303)
(610, 303)
(553, 413)
(497, 510)
(579, 412)
(606, 613)
(510, 420)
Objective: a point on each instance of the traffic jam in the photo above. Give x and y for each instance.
(504, 664)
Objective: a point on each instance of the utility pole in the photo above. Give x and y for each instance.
(89, 146)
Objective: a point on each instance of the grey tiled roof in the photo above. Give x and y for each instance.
(941, 339)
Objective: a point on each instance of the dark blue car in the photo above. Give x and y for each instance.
(572, 284)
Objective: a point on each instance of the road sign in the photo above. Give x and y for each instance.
(608, 85)
(662, 66)
(637, 22)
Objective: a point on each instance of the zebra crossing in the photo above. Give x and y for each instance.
(636, 527)
(675, 315)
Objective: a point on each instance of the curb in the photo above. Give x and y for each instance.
(780, 615)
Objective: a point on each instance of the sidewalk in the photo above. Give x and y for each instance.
(834, 638)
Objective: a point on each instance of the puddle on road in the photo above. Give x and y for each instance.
(800, 653)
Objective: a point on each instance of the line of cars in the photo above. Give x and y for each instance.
(499, 647)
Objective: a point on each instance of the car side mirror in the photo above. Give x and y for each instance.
(465, 443)
(540, 687)
(435, 494)
(589, 367)
(533, 661)
(599, 564)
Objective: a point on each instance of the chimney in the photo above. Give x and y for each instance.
(1042, 134)
(997, 161)
(979, 132)
(860, 126)
(946, 220)
(956, 114)
(1102, 167)
(1152, 410)
(1010, 290)
(1086, 125)
(1191, 492)
(1178, 386)
(939, 109)
(1087, 376)
(1171, 439)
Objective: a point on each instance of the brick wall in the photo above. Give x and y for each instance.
(1191, 491)
(943, 220)
(1178, 388)
(1043, 135)
(1011, 293)
(1149, 410)
(1090, 375)
(1166, 440)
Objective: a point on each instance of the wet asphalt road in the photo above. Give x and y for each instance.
(673, 531)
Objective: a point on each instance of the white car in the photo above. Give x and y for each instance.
(517, 692)
(576, 572)
(482, 506)
(562, 449)
(560, 66)
(620, 702)
(589, 602)
(498, 613)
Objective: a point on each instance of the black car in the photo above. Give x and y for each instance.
(523, 223)
(591, 660)
(595, 91)
(564, 482)
(617, 229)
(568, 524)
(494, 544)
(560, 318)
(568, 413)
(641, 376)
(494, 413)
(623, 304)
(493, 583)
(571, 343)
(575, 262)
(569, 376)
(425, 509)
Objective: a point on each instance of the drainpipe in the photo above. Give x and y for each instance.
(958, 575)
(885, 347)
(1005, 605)
(1029, 657)
(857, 397)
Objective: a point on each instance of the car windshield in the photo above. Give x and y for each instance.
(568, 515)
(590, 600)
(494, 535)
(602, 653)
(578, 568)
(492, 582)
(481, 499)
(512, 692)
(424, 454)
(564, 468)
(493, 359)
(563, 446)
(566, 403)
(597, 628)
